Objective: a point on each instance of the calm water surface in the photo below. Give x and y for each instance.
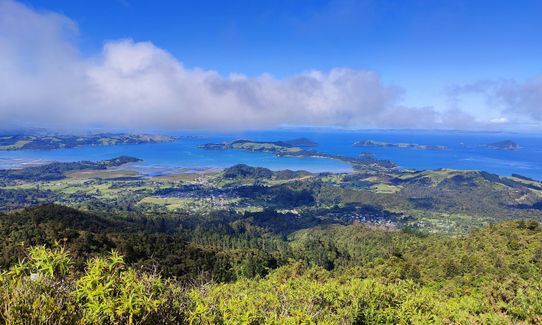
(464, 152)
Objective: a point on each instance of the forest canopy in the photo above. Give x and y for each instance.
(328, 274)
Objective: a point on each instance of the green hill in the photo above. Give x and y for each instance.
(332, 274)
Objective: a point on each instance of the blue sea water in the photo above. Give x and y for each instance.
(465, 151)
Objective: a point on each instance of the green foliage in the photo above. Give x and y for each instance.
(44, 289)
(57, 170)
(290, 295)
(48, 142)
(109, 292)
(269, 247)
(492, 276)
(34, 290)
(244, 171)
(227, 270)
(296, 294)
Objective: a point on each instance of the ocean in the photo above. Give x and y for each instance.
(466, 151)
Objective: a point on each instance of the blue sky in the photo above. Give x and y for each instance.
(425, 48)
(421, 45)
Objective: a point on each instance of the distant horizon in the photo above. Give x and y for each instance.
(97, 130)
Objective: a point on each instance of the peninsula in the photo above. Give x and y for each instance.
(50, 142)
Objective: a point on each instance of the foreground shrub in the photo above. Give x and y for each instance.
(296, 294)
(44, 289)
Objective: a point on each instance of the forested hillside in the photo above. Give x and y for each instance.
(93, 243)
(327, 274)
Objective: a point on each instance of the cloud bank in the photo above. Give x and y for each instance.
(518, 103)
(46, 82)
(522, 99)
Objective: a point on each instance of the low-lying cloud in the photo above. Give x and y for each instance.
(523, 99)
(520, 102)
(46, 82)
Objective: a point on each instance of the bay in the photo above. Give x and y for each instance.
(465, 151)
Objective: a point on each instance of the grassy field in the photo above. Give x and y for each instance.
(443, 201)
(102, 174)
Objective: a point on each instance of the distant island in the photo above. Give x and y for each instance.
(289, 146)
(372, 143)
(301, 142)
(286, 149)
(503, 145)
(250, 145)
(49, 142)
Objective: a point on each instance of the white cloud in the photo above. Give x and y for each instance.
(524, 99)
(512, 103)
(499, 120)
(45, 81)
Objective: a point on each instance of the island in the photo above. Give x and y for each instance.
(380, 144)
(301, 142)
(250, 145)
(285, 149)
(503, 145)
(50, 142)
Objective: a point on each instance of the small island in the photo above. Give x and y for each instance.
(503, 145)
(301, 142)
(293, 145)
(380, 144)
(50, 142)
(285, 149)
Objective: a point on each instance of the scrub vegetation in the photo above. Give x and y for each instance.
(94, 243)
